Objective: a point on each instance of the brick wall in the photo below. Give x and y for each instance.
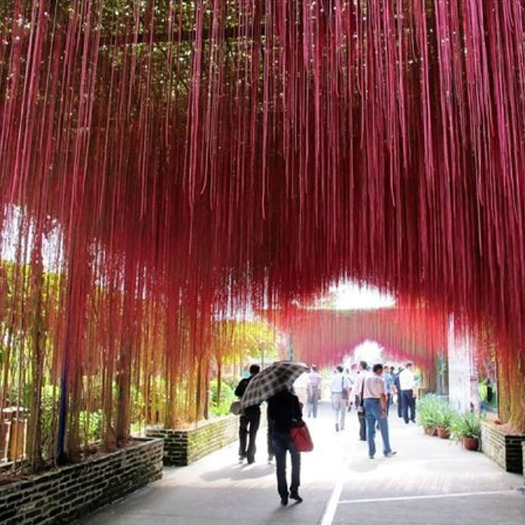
(182, 447)
(503, 448)
(62, 495)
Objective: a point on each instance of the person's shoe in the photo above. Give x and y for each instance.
(296, 497)
(270, 459)
(241, 459)
(251, 461)
(390, 454)
(337, 427)
(284, 500)
(371, 456)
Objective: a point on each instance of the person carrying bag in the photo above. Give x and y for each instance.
(285, 414)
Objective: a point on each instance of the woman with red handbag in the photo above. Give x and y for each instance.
(284, 412)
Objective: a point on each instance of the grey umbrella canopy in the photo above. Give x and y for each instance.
(278, 376)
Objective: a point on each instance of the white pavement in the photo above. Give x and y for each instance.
(429, 482)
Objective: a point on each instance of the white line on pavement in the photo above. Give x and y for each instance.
(429, 496)
(329, 513)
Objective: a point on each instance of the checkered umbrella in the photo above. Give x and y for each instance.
(276, 377)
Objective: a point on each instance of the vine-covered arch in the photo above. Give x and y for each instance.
(201, 157)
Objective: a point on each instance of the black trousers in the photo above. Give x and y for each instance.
(362, 425)
(409, 405)
(283, 443)
(248, 427)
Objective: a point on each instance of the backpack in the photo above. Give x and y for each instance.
(241, 387)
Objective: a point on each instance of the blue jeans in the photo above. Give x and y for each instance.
(313, 401)
(282, 443)
(373, 415)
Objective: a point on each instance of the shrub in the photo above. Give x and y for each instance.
(466, 425)
(221, 407)
(428, 408)
(445, 415)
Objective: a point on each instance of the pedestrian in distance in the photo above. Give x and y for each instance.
(397, 387)
(315, 380)
(249, 421)
(407, 384)
(375, 409)
(389, 386)
(284, 412)
(340, 386)
(357, 394)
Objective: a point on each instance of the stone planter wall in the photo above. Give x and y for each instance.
(182, 447)
(62, 495)
(503, 448)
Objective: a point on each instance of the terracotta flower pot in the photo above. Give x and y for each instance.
(431, 431)
(470, 443)
(443, 432)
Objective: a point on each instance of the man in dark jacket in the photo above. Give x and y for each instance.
(250, 419)
(284, 412)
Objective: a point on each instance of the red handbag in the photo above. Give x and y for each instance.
(301, 438)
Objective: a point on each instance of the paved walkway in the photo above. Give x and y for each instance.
(430, 481)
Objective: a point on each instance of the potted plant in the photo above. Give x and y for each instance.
(444, 418)
(467, 428)
(427, 408)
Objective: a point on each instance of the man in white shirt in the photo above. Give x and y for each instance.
(357, 394)
(407, 385)
(314, 390)
(340, 387)
(374, 394)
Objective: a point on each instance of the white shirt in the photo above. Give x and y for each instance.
(406, 380)
(338, 382)
(374, 387)
(358, 384)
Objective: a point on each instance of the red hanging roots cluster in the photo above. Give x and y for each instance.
(194, 158)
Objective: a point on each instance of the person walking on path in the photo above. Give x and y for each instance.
(249, 421)
(389, 387)
(375, 410)
(398, 392)
(284, 412)
(407, 385)
(314, 391)
(357, 394)
(340, 387)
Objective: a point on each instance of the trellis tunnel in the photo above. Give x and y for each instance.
(168, 167)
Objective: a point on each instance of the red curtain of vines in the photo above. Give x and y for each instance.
(196, 157)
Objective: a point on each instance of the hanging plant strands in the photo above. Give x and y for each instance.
(168, 165)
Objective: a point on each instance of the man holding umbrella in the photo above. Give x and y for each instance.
(250, 419)
(274, 385)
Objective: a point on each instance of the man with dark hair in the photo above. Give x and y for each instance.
(249, 421)
(374, 394)
(284, 412)
(358, 389)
